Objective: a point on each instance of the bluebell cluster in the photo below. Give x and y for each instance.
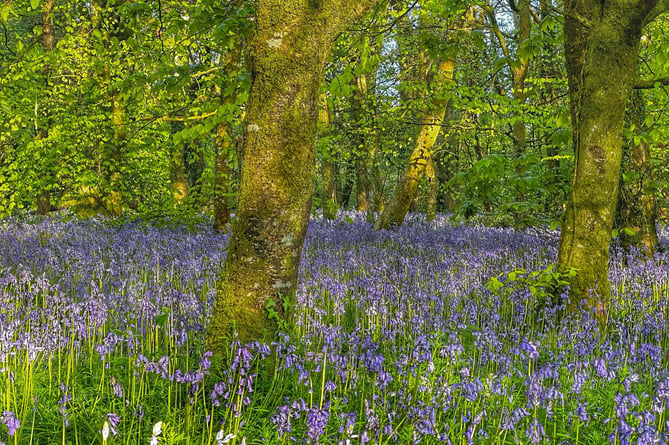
(396, 337)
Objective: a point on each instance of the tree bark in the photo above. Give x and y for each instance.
(608, 77)
(292, 41)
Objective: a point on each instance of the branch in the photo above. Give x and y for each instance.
(496, 31)
(660, 8)
(199, 117)
(643, 84)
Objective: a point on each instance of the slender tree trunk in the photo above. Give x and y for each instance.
(519, 74)
(44, 204)
(636, 203)
(430, 124)
(225, 146)
(329, 196)
(178, 174)
(222, 175)
(608, 76)
(292, 41)
(575, 46)
(112, 150)
(433, 185)
(363, 149)
(347, 190)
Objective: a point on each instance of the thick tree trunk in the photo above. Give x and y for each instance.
(430, 125)
(608, 75)
(292, 42)
(636, 203)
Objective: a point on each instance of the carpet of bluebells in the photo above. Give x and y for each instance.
(430, 334)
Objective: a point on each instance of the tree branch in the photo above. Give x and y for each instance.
(644, 84)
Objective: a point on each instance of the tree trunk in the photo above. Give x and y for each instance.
(112, 150)
(44, 204)
(347, 189)
(575, 46)
(608, 76)
(636, 203)
(430, 124)
(363, 149)
(225, 146)
(433, 185)
(292, 41)
(178, 174)
(329, 196)
(519, 73)
(222, 175)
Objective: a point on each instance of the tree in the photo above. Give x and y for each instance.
(608, 77)
(430, 122)
(288, 51)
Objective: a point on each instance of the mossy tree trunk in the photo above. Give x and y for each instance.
(288, 51)
(636, 213)
(608, 77)
(430, 125)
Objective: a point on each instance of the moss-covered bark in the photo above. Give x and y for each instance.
(608, 75)
(430, 125)
(292, 41)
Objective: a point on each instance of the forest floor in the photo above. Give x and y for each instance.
(433, 333)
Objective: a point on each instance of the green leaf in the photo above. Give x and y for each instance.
(34, 4)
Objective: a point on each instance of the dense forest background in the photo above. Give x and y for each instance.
(110, 106)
